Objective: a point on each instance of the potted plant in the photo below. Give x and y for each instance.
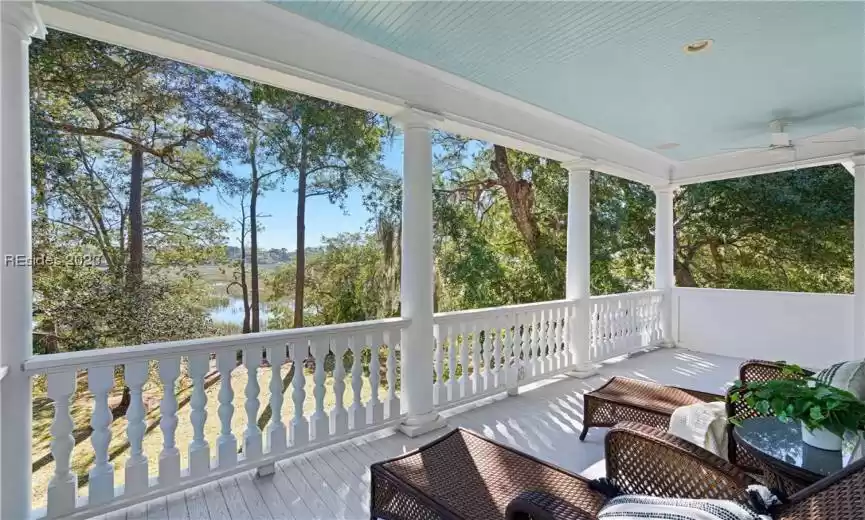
(825, 412)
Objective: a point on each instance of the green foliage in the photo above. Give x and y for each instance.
(93, 106)
(788, 231)
(346, 281)
(796, 398)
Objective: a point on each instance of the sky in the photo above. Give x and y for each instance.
(323, 219)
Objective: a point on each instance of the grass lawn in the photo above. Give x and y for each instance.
(82, 454)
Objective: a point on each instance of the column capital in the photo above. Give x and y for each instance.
(580, 165)
(23, 17)
(416, 117)
(666, 188)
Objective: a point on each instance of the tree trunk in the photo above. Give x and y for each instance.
(135, 266)
(243, 286)
(521, 198)
(684, 277)
(253, 243)
(300, 273)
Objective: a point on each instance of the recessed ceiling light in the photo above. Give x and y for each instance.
(667, 146)
(698, 46)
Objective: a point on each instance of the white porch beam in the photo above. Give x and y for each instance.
(829, 148)
(859, 257)
(664, 254)
(578, 268)
(19, 21)
(416, 280)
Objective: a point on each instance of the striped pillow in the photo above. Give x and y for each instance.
(849, 376)
(639, 507)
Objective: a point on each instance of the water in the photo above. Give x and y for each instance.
(233, 313)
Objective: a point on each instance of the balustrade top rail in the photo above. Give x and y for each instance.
(491, 312)
(623, 296)
(67, 361)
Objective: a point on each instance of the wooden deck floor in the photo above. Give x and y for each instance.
(544, 420)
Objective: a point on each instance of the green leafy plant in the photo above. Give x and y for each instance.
(795, 397)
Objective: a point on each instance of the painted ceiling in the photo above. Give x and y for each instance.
(620, 66)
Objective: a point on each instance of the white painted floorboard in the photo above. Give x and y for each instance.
(544, 420)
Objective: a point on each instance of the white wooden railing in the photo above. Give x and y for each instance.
(486, 351)
(477, 353)
(625, 323)
(234, 450)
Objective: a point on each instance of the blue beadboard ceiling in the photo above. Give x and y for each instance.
(620, 67)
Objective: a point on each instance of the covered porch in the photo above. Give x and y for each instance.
(430, 365)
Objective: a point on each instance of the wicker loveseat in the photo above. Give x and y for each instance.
(463, 475)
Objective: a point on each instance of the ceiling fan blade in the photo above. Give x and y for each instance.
(747, 148)
(835, 141)
(816, 114)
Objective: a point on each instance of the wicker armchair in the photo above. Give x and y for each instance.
(463, 475)
(643, 461)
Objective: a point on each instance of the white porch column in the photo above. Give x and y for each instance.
(859, 257)
(577, 270)
(664, 253)
(19, 22)
(416, 281)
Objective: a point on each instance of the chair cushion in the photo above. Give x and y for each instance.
(640, 507)
(849, 376)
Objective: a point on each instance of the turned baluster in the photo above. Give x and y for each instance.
(199, 449)
(299, 426)
(137, 479)
(392, 404)
(451, 388)
(357, 411)
(464, 361)
(169, 457)
(339, 415)
(100, 380)
(439, 395)
(375, 408)
(320, 423)
(276, 431)
(226, 443)
(63, 487)
(477, 383)
(252, 444)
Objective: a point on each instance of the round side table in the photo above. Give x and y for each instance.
(787, 462)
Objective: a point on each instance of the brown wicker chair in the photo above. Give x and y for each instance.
(463, 475)
(839, 497)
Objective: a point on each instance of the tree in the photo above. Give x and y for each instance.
(118, 138)
(787, 231)
(148, 106)
(329, 148)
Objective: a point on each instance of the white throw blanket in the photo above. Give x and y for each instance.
(703, 424)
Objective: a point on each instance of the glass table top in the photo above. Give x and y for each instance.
(783, 441)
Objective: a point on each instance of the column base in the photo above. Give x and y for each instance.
(582, 372)
(266, 470)
(419, 425)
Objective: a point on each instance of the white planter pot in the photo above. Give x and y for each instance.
(821, 438)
